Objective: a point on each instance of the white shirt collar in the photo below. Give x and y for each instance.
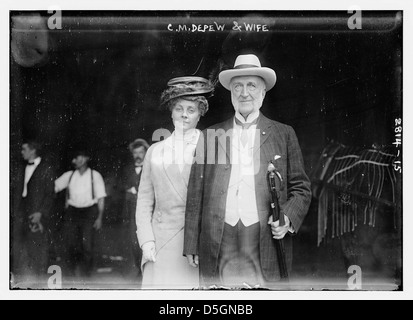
(84, 173)
(37, 161)
(251, 117)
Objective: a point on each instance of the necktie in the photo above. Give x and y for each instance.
(245, 127)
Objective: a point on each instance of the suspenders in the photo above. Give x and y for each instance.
(93, 189)
(68, 184)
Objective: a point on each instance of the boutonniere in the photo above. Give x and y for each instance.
(276, 157)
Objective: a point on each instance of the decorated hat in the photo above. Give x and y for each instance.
(187, 86)
(248, 65)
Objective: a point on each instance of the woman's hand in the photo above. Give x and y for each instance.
(193, 260)
(148, 251)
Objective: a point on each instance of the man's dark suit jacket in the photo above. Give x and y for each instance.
(130, 179)
(207, 194)
(30, 251)
(40, 194)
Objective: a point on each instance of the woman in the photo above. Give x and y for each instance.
(160, 210)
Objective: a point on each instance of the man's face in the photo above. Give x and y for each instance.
(247, 94)
(139, 154)
(80, 161)
(28, 153)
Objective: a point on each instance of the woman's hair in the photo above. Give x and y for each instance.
(202, 103)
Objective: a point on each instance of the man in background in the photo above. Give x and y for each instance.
(131, 178)
(85, 203)
(32, 203)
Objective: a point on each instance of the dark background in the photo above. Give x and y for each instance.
(98, 85)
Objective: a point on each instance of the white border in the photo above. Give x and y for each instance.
(5, 293)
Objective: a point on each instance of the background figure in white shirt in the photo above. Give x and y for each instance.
(85, 203)
(32, 201)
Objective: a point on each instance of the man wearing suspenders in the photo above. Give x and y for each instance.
(85, 202)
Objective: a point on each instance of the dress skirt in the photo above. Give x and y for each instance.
(171, 269)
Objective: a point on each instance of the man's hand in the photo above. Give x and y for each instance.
(37, 227)
(193, 260)
(278, 231)
(35, 224)
(149, 251)
(35, 217)
(98, 224)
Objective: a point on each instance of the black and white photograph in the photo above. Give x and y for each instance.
(206, 150)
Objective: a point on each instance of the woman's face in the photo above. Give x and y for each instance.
(185, 115)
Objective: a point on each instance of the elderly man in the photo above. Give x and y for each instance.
(229, 230)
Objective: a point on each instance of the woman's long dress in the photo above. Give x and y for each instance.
(160, 213)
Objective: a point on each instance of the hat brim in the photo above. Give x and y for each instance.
(267, 74)
(205, 93)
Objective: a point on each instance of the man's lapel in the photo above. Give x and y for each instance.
(263, 132)
(262, 155)
(36, 173)
(135, 178)
(225, 144)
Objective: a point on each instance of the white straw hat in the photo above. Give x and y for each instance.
(248, 65)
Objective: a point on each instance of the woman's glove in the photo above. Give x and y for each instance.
(148, 251)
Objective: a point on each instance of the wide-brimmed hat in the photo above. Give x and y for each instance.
(248, 65)
(187, 86)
